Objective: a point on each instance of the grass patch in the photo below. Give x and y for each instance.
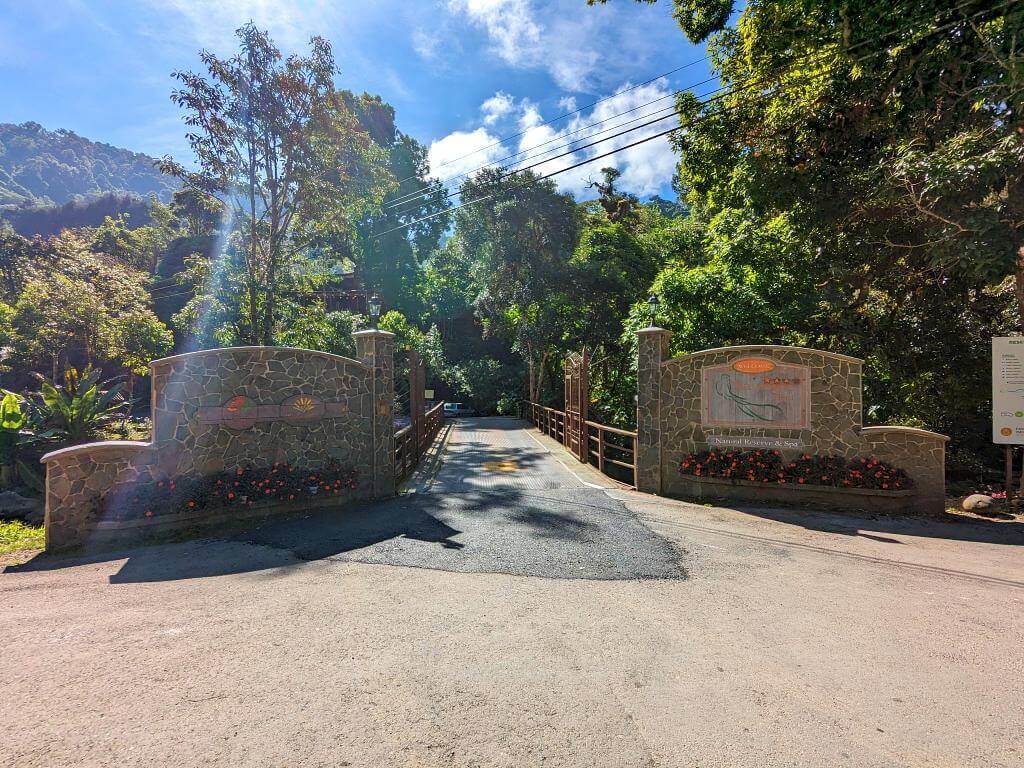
(16, 535)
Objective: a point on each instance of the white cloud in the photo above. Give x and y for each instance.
(462, 151)
(646, 169)
(649, 166)
(427, 44)
(509, 24)
(291, 24)
(582, 48)
(497, 107)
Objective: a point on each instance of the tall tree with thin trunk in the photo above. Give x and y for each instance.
(279, 146)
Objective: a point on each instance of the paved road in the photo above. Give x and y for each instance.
(512, 615)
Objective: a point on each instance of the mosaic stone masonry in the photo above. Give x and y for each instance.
(224, 408)
(672, 421)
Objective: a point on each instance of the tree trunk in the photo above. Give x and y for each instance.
(131, 402)
(267, 331)
(1019, 287)
(540, 375)
(529, 374)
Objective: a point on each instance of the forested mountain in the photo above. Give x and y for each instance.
(30, 219)
(53, 167)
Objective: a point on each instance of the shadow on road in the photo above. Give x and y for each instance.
(275, 543)
(944, 526)
(549, 534)
(498, 506)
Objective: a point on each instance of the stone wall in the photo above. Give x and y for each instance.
(219, 409)
(820, 397)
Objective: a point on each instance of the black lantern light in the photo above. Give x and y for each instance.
(373, 307)
(652, 309)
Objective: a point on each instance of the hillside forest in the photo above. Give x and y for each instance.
(858, 187)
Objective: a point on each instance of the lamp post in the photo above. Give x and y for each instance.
(373, 307)
(652, 309)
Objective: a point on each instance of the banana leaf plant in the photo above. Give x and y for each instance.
(79, 406)
(12, 421)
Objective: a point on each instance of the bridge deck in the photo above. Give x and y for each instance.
(494, 453)
(500, 503)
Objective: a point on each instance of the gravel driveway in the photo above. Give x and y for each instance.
(514, 615)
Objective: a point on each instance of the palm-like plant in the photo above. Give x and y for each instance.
(79, 406)
(12, 421)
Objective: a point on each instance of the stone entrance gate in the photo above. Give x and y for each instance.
(763, 423)
(221, 410)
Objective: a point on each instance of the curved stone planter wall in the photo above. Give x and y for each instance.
(219, 409)
(822, 394)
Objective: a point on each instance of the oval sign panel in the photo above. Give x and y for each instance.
(753, 365)
(239, 413)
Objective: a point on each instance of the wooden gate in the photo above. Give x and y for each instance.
(577, 397)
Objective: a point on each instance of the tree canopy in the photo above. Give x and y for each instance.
(856, 186)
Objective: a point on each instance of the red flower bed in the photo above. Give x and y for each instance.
(241, 487)
(822, 469)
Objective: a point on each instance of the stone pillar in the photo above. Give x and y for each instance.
(652, 350)
(375, 349)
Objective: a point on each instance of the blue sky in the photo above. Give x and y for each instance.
(461, 74)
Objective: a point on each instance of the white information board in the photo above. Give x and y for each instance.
(1008, 390)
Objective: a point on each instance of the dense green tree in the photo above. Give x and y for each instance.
(15, 254)
(874, 154)
(315, 328)
(143, 338)
(521, 235)
(137, 248)
(44, 220)
(75, 308)
(620, 250)
(196, 213)
(393, 242)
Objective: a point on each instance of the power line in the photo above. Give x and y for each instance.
(448, 181)
(570, 114)
(657, 135)
(424, 191)
(671, 113)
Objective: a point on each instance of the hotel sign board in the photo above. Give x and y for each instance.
(752, 441)
(1008, 390)
(756, 392)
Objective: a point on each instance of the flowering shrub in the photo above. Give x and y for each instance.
(241, 487)
(822, 469)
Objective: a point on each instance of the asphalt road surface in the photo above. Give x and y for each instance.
(511, 613)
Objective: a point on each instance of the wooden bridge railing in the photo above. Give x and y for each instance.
(411, 443)
(609, 446)
(548, 420)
